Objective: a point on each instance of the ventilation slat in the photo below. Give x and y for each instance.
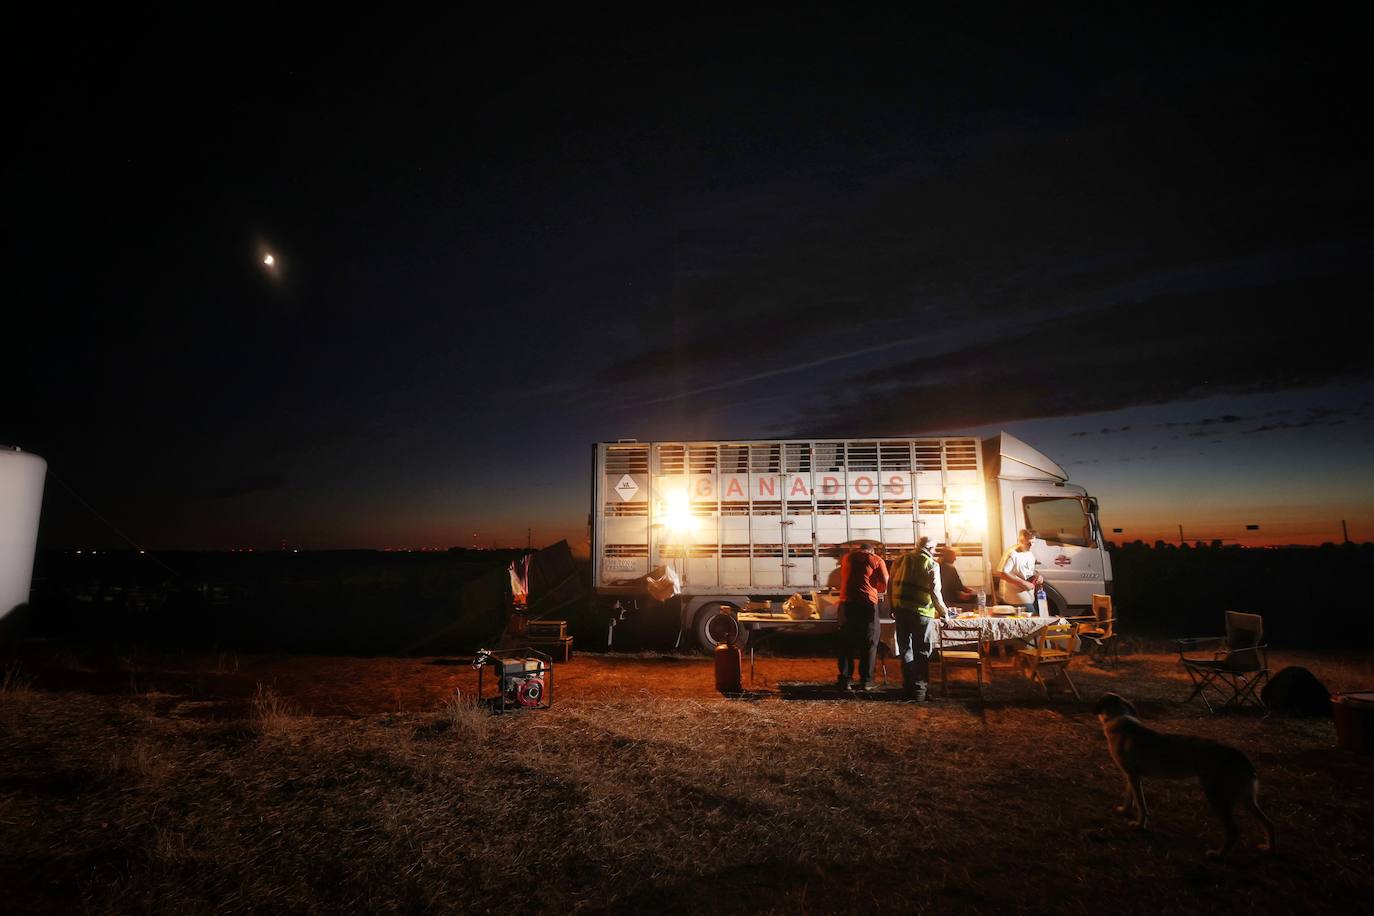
(627, 550)
(627, 459)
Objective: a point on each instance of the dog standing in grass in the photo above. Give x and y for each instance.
(1227, 776)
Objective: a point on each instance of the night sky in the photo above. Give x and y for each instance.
(1140, 245)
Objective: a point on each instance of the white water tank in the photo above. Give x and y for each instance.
(21, 498)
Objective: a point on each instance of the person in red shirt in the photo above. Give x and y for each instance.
(863, 575)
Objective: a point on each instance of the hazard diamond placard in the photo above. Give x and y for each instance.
(627, 488)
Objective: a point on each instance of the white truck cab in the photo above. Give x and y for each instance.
(1028, 490)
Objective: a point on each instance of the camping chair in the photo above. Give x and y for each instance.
(1236, 670)
(1098, 632)
(1052, 651)
(961, 646)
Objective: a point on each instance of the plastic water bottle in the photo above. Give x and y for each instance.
(982, 602)
(1041, 603)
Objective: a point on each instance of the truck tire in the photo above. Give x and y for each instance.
(715, 624)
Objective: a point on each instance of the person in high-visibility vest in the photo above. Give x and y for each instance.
(916, 605)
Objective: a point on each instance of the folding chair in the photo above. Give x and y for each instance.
(962, 646)
(1236, 671)
(1098, 632)
(1052, 651)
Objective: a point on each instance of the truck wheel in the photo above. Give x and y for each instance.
(716, 624)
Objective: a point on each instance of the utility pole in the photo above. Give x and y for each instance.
(1180, 535)
(1345, 532)
(527, 538)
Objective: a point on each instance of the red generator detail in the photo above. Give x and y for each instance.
(524, 679)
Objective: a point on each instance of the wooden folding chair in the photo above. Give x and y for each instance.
(1098, 632)
(1052, 651)
(1235, 672)
(961, 646)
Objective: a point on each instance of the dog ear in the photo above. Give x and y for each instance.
(1112, 705)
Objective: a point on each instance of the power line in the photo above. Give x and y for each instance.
(111, 525)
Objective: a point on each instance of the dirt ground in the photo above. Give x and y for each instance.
(222, 686)
(227, 783)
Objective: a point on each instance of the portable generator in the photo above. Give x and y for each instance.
(524, 678)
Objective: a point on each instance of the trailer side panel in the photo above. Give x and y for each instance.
(770, 517)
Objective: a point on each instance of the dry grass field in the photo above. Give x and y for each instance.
(224, 784)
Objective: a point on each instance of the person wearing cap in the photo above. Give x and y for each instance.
(863, 575)
(916, 605)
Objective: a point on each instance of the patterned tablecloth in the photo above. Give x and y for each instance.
(1000, 629)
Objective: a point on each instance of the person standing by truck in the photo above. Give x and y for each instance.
(1017, 579)
(916, 605)
(863, 575)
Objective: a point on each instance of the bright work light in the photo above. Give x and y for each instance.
(677, 512)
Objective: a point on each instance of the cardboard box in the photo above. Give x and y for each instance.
(559, 649)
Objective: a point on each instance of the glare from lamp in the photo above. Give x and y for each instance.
(677, 512)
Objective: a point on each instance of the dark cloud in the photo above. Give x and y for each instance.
(1233, 425)
(703, 338)
(1316, 416)
(1104, 431)
(1207, 427)
(247, 484)
(1125, 459)
(958, 245)
(1161, 350)
(1224, 419)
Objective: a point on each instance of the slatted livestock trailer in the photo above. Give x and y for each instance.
(745, 524)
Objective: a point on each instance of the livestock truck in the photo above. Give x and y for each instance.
(742, 525)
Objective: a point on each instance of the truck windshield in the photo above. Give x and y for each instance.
(1060, 520)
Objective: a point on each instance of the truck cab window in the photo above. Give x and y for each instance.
(1060, 520)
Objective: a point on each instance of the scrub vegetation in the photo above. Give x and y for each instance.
(294, 784)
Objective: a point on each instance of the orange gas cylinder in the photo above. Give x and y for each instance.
(728, 663)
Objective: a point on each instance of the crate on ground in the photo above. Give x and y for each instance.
(547, 629)
(560, 647)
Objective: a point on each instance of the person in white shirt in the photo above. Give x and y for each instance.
(1016, 577)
